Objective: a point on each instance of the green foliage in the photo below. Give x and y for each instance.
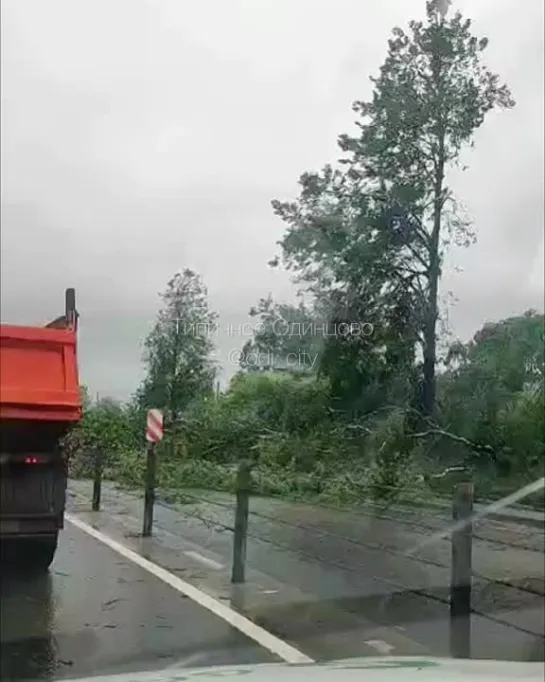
(256, 409)
(493, 392)
(109, 428)
(303, 447)
(522, 428)
(511, 350)
(286, 338)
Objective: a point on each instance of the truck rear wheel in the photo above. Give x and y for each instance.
(31, 555)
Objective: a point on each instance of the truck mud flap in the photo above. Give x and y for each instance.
(32, 490)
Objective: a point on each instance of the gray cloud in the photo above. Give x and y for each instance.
(142, 137)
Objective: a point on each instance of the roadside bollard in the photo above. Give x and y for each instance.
(461, 569)
(149, 492)
(241, 522)
(97, 479)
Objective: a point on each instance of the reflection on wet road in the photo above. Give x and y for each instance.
(98, 613)
(27, 626)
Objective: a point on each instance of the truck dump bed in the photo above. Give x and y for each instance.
(38, 372)
(39, 404)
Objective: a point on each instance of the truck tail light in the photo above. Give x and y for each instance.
(17, 459)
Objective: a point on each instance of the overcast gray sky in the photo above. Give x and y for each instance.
(140, 137)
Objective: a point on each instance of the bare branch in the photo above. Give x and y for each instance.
(478, 447)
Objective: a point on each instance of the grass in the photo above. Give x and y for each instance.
(347, 488)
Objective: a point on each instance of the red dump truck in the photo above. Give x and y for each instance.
(39, 402)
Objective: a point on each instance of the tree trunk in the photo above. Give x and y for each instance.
(430, 323)
(428, 379)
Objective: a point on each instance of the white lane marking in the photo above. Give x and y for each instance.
(203, 559)
(380, 645)
(269, 591)
(265, 639)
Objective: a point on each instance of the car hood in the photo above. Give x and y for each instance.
(384, 669)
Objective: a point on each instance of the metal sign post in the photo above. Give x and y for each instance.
(461, 573)
(154, 433)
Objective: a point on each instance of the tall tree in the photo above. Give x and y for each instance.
(179, 347)
(380, 223)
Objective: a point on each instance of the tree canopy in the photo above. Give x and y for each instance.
(178, 350)
(370, 234)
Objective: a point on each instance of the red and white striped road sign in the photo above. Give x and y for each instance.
(154, 426)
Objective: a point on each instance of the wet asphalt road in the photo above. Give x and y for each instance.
(333, 598)
(96, 612)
